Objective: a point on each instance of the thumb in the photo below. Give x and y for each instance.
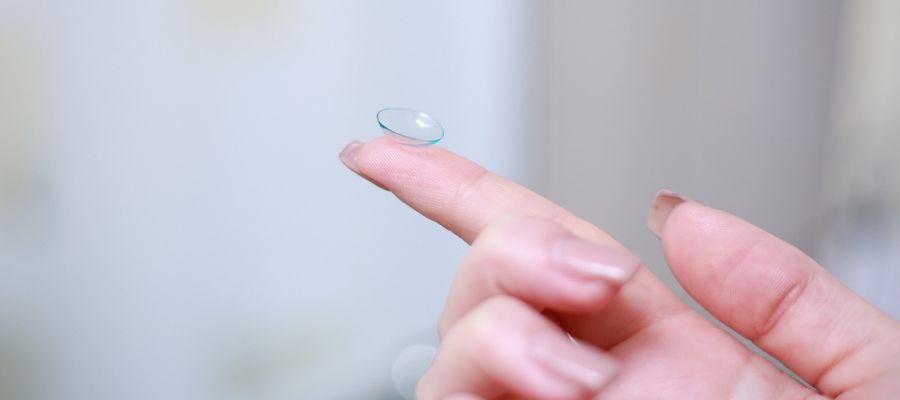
(776, 296)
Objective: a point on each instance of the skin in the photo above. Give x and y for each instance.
(510, 301)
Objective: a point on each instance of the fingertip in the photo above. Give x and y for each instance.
(382, 156)
(375, 159)
(350, 156)
(413, 173)
(696, 234)
(349, 153)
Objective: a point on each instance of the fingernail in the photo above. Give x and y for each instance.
(586, 259)
(348, 155)
(566, 359)
(665, 201)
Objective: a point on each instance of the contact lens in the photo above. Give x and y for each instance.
(410, 127)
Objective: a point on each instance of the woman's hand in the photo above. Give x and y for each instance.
(536, 274)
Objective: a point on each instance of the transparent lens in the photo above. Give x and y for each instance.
(410, 126)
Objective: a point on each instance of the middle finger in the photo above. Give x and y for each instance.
(540, 262)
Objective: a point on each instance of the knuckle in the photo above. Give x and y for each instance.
(515, 221)
(473, 182)
(516, 239)
(489, 320)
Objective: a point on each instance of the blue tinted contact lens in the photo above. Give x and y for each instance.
(410, 126)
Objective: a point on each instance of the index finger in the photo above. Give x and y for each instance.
(464, 197)
(453, 191)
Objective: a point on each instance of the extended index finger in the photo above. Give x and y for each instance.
(455, 192)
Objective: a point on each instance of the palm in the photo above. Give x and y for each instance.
(685, 357)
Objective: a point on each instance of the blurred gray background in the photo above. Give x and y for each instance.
(174, 222)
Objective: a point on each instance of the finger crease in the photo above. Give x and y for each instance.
(782, 305)
(643, 323)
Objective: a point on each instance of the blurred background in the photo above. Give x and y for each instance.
(174, 222)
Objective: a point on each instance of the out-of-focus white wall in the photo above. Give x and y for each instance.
(176, 223)
(862, 246)
(725, 102)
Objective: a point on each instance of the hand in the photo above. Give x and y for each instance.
(536, 274)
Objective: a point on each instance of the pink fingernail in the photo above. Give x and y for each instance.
(586, 259)
(665, 201)
(564, 358)
(348, 155)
